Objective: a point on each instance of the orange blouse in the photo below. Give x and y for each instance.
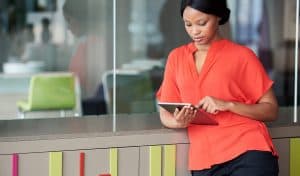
(231, 72)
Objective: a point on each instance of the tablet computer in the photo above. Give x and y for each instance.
(202, 117)
(172, 106)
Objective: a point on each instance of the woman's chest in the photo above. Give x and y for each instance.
(213, 79)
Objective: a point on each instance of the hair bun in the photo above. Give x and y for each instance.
(214, 7)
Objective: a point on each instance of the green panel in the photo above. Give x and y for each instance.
(113, 161)
(55, 164)
(155, 161)
(169, 160)
(295, 157)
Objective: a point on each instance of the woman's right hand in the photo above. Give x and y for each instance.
(185, 116)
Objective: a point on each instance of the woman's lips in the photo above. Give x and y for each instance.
(198, 39)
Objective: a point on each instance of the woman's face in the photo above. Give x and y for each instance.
(201, 27)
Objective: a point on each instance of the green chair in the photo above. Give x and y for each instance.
(50, 92)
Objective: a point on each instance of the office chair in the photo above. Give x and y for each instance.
(134, 92)
(50, 92)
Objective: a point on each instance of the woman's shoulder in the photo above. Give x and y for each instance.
(178, 54)
(237, 48)
(184, 49)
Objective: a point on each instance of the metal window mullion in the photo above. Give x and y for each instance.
(296, 64)
(114, 64)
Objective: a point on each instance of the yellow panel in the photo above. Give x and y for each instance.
(294, 157)
(55, 164)
(169, 160)
(113, 161)
(155, 161)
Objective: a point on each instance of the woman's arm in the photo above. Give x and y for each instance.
(265, 109)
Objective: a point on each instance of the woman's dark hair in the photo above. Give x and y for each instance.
(85, 12)
(214, 7)
(77, 9)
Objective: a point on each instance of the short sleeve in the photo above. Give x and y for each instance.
(168, 90)
(254, 80)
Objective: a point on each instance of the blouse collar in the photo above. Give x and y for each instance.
(192, 47)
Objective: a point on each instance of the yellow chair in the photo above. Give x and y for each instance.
(50, 92)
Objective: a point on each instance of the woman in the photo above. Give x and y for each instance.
(227, 81)
(89, 59)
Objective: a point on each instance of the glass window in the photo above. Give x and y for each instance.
(148, 30)
(76, 36)
(38, 36)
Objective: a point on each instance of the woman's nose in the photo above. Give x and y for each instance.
(195, 31)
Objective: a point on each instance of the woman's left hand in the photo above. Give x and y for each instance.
(213, 105)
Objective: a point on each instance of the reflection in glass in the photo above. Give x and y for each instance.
(144, 41)
(35, 37)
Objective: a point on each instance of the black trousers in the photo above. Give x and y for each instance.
(251, 163)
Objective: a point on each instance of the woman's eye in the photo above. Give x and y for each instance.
(202, 23)
(188, 25)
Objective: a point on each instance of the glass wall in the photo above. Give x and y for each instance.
(39, 36)
(44, 36)
(148, 30)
